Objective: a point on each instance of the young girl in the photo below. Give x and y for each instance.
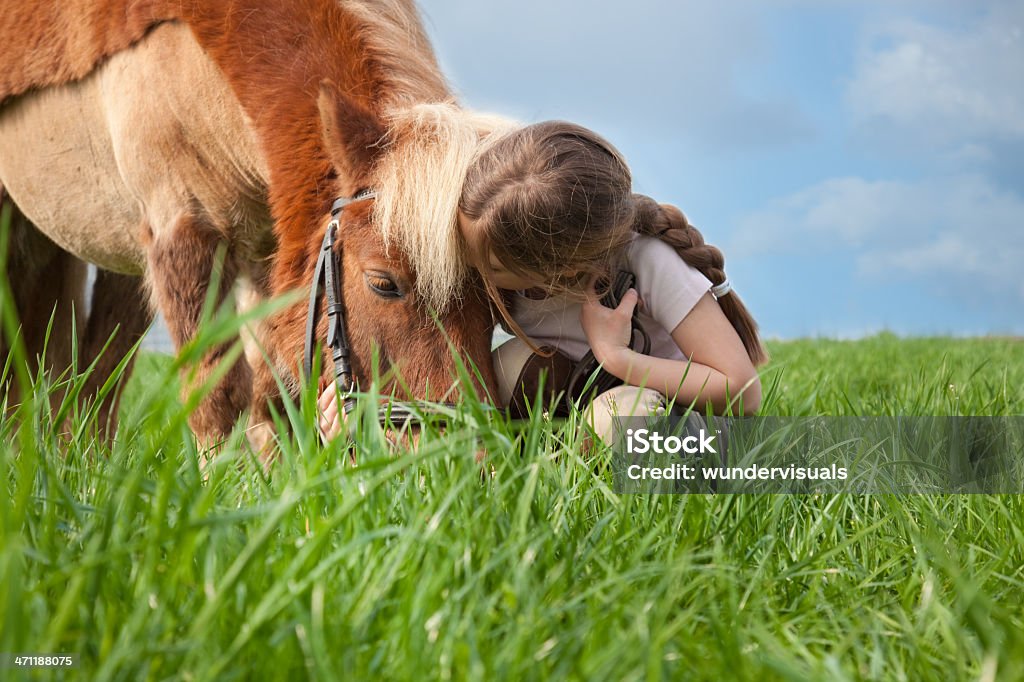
(547, 211)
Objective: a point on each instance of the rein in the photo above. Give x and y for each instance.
(327, 279)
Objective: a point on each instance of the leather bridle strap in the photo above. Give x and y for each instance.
(326, 278)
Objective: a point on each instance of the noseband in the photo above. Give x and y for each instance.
(327, 279)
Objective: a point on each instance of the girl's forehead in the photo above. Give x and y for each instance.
(494, 261)
(466, 224)
(470, 230)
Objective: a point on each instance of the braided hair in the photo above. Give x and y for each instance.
(667, 223)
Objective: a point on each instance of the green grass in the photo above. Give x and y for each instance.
(414, 565)
(886, 375)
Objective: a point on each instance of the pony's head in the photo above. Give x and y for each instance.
(407, 291)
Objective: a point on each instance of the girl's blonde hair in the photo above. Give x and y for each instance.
(554, 201)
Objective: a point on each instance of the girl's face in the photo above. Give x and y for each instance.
(504, 279)
(498, 274)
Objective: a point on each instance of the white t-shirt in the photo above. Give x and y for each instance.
(668, 287)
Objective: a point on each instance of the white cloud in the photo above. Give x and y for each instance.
(957, 234)
(943, 84)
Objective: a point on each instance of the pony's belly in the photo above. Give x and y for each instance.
(58, 165)
(106, 164)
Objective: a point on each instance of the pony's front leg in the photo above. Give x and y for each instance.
(181, 261)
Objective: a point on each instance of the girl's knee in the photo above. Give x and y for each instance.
(620, 402)
(631, 401)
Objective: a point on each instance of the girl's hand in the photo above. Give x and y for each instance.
(330, 418)
(608, 331)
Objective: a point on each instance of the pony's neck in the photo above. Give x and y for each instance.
(275, 55)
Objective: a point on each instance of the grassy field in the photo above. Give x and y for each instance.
(415, 566)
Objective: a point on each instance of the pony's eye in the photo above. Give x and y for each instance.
(382, 285)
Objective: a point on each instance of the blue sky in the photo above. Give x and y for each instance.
(860, 163)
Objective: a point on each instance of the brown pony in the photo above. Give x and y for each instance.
(145, 136)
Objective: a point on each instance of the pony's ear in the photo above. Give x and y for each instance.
(352, 133)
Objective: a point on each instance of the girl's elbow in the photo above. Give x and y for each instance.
(751, 402)
(748, 402)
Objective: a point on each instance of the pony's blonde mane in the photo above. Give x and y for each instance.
(429, 146)
(419, 181)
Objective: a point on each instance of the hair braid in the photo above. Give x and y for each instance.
(667, 223)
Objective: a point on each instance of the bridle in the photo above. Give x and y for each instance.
(327, 279)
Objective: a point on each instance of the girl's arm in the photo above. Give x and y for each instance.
(719, 370)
